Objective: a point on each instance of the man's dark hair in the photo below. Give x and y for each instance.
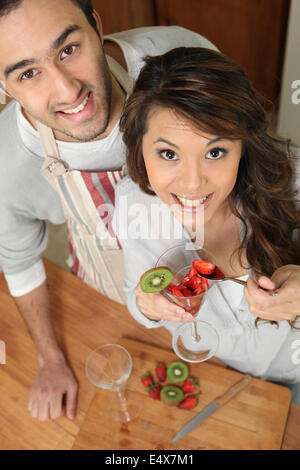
(6, 6)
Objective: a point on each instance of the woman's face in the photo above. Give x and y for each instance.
(188, 169)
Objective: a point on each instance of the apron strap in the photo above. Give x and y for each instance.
(120, 74)
(53, 165)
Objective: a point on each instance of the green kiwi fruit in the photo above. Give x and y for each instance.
(156, 279)
(171, 395)
(177, 372)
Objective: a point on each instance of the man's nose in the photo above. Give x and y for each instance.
(65, 88)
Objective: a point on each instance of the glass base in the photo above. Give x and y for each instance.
(195, 342)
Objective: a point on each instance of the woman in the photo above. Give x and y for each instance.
(198, 145)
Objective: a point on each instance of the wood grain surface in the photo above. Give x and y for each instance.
(83, 320)
(253, 419)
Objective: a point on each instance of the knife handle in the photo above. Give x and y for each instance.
(234, 390)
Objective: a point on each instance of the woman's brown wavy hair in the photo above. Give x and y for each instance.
(215, 95)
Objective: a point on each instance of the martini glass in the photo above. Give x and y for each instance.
(108, 367)
(197, 341)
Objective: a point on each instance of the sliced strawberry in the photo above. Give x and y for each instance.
(194, 283)
(204, 267)
(204, 283)
(193, 272)
(189, 402)
(146, 379)
(190, 385)
(186, 292)
(154, 391)
(186, 280)
(200, 290)
(175, 290)
(161, 371)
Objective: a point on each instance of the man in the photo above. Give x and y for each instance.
(61, 157)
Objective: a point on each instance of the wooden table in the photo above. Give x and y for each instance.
(83, 319)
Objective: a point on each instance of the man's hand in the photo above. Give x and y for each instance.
(156, 307)
(283, 306)
(52, 382)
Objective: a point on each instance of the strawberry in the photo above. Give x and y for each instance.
(186, 280)
(204, 267)
(193, 272)
(161, 371)
(200, 290)
(147, 379)
(189, 402)
(154, 391)
(175, 290)
(186, 292)
(194, 282)
(190, 385)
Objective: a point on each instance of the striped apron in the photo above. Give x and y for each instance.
(88, 199)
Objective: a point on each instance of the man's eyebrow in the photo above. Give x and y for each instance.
(56, 44)
(161, 139)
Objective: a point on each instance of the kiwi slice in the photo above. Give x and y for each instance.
(156, 279)
(177, 372)
(171, 395)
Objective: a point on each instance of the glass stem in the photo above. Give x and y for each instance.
(124, 405)
(194, 332)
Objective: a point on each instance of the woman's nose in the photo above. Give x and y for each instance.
(193, 177)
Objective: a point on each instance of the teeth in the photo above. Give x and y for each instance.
(79, 108)
(191, 203)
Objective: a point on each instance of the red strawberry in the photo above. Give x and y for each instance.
(194, 283)
(186, 292)
(189, 402)
(175, 290)
(193, 272)
(147, 379)
(186, 280)
(190, 385)
(161, 371)
(154, 391)
(204, 267)
(200, 290)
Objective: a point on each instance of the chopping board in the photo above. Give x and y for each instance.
(255, 419)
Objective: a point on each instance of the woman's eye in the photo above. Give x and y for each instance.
(216, 153)
(168, 155)
(69, 50)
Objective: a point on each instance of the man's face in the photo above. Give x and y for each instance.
(65, 83)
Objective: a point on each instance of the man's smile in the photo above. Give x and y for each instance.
(80, 112)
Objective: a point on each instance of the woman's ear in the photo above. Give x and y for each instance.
(98, 23)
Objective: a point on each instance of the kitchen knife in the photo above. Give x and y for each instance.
(212, 407)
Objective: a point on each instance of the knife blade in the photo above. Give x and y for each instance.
(212, 407)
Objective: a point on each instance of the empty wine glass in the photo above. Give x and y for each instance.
(108, 367)
(197, 341)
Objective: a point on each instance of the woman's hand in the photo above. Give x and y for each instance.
(283, 306)
(156, 307)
